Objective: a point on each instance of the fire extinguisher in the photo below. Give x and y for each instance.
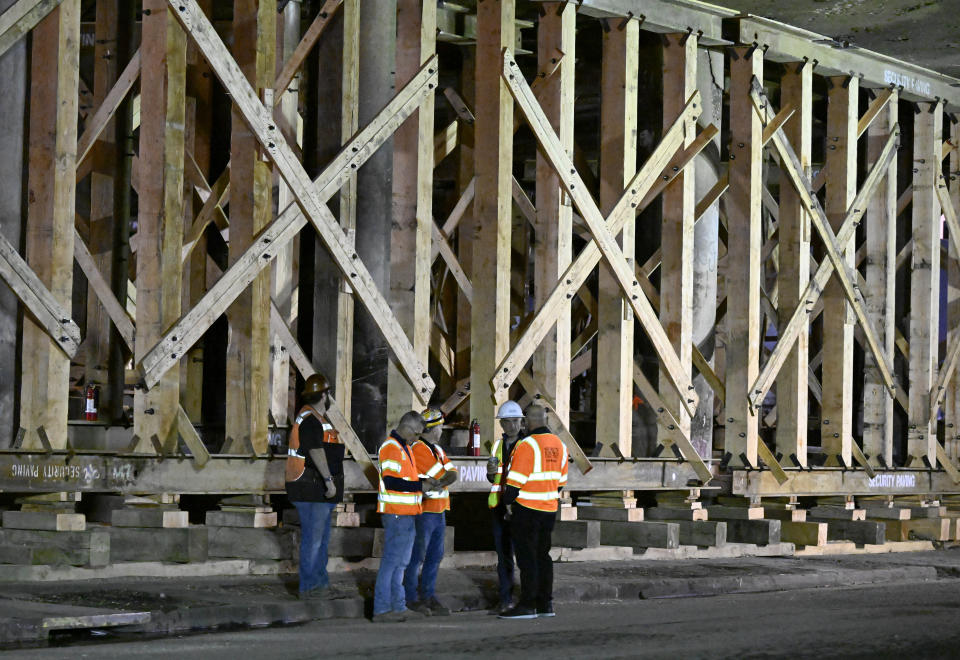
(90, 413)
(474, 438)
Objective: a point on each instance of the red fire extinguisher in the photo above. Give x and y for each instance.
(474, 438)
(90, 413)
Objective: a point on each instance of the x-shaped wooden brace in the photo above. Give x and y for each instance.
(834, 261)
(311, 199)
(604, 244)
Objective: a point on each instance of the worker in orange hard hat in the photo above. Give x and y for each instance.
(314, 482)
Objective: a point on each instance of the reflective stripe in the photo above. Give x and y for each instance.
(527, 495)
(544, 476)
(519, 477)
(327, 427)
(390, 465)
(495, 489)
(294, 453)
(394, 497)
(436, 469)
(435, 494)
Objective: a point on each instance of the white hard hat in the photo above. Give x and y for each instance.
(510, 409)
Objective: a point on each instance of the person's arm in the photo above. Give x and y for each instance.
(402, 485)
(449, 478)
(510, 494)
(319, 457)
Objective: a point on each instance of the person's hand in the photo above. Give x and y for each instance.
(331, 489)
(431, 484)
(493, 464)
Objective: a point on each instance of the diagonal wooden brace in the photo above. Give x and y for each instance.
(603, 244)
(311, 198)
(533, 388)
(947, 464)
(847, 276)
(334, 413)
(38, 300)
(765, 455)
(22, 17)
(801, 315)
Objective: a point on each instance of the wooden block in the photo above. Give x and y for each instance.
(703, 533)
(837, 513)
(177, 545)
(803, 533)
(353, 541)
(55, 522)
(927, 511)
(602, 513)
(241, 519)
(669, 513)
(577, 534)
(251, 543)
(719, 512)
(640, 534)
(567, 513)
(150, 517)
(888, 514)
(25, 547)
(759, 532)
(346, 519)
(790, 515)
(922, 529)
(861, 532)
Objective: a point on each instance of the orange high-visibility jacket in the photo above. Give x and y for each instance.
(432, 461)
(296, 461)
(397, 461)
(538, 468)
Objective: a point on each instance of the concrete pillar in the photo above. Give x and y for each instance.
(13, 82)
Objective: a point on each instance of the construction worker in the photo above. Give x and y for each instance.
(538, 470)
(437, 474)
(511, 420)
(399, 503)
(314, 483)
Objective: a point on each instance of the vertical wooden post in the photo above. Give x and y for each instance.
(676, 242)
(54, 78)
(100, 240)
(952, 406)
(796, 89)
(744, 242)
(465, 234)
(492, 208)
(618, 164)
(412, 202)
(160, 213)
(284, 266)
(248, 358)
(881, 281)
(836, 423)
(553, 250)
(195, 268)
(924, 282)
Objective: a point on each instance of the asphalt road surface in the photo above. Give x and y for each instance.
(900, 621)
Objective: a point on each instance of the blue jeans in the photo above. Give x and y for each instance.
(314, 539)
(503, 542)
(428, 551)
(399, 533)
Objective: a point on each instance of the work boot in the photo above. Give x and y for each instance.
(501, 607)
(318, 593)
(420, 607)
(390, 617)
(412, 614)
(437, 608)
(519, 612)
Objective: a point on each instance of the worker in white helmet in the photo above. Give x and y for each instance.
(510, 416)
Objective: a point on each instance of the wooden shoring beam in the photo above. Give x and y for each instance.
(37, 299)
(880, 288)
(837, 404)
(310, 196)
(95, 125)
(620, 64)
(453, 264)
(100, 286)
(536, 391)
(163, 58)
(949, 366)
(50, 202)
(951, 405)
(445, 141)
(456, 214)
(603, 232)
(334, 413)
(834, 262)
(22, 17)
(874, 109)
(793, 230)
(310, 37)
(247, 395)
(490, 235)
(212, 211)
(924, 282)
(743, 274)
(678, 220)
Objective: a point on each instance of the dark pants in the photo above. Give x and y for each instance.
(504, 545)
(531, 539)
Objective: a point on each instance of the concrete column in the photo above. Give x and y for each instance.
(13, 82)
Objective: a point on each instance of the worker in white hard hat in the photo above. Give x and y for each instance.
(510, 416)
